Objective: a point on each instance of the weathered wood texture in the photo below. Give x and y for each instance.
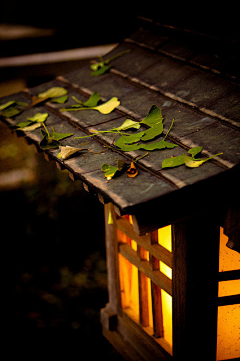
(177, 71)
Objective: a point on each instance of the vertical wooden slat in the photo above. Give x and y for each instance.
(195, 269)
(112, 260)
(143, 291)
(156, 295)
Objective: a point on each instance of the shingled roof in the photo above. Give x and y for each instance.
(192, 78)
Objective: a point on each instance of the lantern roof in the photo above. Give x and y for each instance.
(192, 78)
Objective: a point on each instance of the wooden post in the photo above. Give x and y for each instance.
(195, 288)
(112, 260)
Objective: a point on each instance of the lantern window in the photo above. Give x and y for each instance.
(228, 338)
(145, 271)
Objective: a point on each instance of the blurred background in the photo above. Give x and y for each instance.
(54, 267)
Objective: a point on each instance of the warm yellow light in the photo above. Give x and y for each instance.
(165, 237)
(167, 316)
(228, 259)
(228, 329)
(166, 270)
(228, 288)
(129, 285)
(228, 332)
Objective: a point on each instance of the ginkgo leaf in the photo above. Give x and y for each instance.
(51, 140)
(101, 70)
(102, 66)
(38, 117)
(93, 100)
(154, 116)
(195, 150)
(107, 107)
(162, 144)
(60, 136)
(129, 124)
(173, 162)
(54, 92)
(60, 100)
(67, 151)
(153, 132)
(7, 105)
(109, 170)
(10, 112)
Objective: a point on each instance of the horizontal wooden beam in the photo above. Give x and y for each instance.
(229, 300)
(156, 250)
(156, 276)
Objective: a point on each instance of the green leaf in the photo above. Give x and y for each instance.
(101, 70)
(93, 100)
(194, 151)
(153, 132)
(107, 107)
(30, 127)
(7, 105)
(60, 100)
(193, 163)
(10, 112)
(173, 162)
(124, 141)
(109, 170)
(53, 93)
(60, 136)
(162, 144)
(129, 124)
(67, 151)
(38, 117)
(154, 116)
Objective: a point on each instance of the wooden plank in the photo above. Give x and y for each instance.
(228, 300)
(144, 266)
(143, 290)
(195, 287)
(156, 250)
(112, 260)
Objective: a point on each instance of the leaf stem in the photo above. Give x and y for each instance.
(46, 129)
(169, 130)
(107, 61)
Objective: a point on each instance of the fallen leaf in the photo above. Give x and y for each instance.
(102, 66)
(54, 92)
(38, 117)
(173, 162)
(154, 116)
(132, 171)
(51, 140)
(109, 170)
(107, 107)
(67, 151)
(7, 105)
(128, 124)
(93, 100)
(60, 100)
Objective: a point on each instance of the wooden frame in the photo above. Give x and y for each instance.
(194, 289)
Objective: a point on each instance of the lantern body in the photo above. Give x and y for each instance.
(168, 291)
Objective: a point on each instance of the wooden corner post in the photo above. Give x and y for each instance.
(195, 288)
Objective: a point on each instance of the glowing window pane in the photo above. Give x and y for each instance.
(165, 269)
(228, 340)
(167, 316)
(129, 285)
(228, 288)
(228, 259)
(165, 237)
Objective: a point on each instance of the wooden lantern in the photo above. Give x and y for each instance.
(172, 291)
(174, 285)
